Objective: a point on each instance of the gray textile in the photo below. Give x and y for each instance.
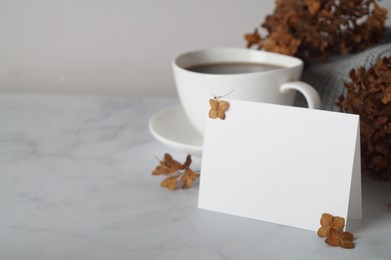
(327, 78)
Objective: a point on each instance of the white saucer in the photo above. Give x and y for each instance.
(172, 128)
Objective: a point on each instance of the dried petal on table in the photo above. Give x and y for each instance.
(339, 238)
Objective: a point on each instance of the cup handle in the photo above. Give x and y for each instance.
(310, 94)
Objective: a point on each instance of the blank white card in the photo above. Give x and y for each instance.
(282, 164)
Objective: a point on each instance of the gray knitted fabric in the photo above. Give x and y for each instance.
(327, 78)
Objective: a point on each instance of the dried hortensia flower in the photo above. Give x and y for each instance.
(369, 95)
(319, 28)
(327, 222)
(332, 228)
(178, 174)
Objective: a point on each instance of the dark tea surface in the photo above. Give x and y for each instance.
(232, 67)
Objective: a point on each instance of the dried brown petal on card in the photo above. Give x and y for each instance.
(170, 182)
(213, 114)
(223, 107)
(213, 103)
(389, 205)
(218, 108)
(213, 108)
(221, 115)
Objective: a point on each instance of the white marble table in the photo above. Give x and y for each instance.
(75, 183)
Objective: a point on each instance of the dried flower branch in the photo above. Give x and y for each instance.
(179, 174)
(369, 95)
(320, 28)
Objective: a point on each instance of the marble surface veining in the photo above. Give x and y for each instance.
(75, 183)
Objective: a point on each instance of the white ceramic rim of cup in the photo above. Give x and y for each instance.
(213, 55)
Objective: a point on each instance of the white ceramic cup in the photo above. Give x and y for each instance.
(277, 86)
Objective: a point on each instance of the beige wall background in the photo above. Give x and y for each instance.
(119, 47)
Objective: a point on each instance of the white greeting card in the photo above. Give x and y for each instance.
(282, 164)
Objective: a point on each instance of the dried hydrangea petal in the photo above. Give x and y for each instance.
(188, 183)
(323, 231)
(387, 95)
(187, 163)
(170, 182)
(332, 242)
(347, 244)
(163, 169)
(338, 222)
(334, 233)
(171, 163)
(326, 219)
(347, 236)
